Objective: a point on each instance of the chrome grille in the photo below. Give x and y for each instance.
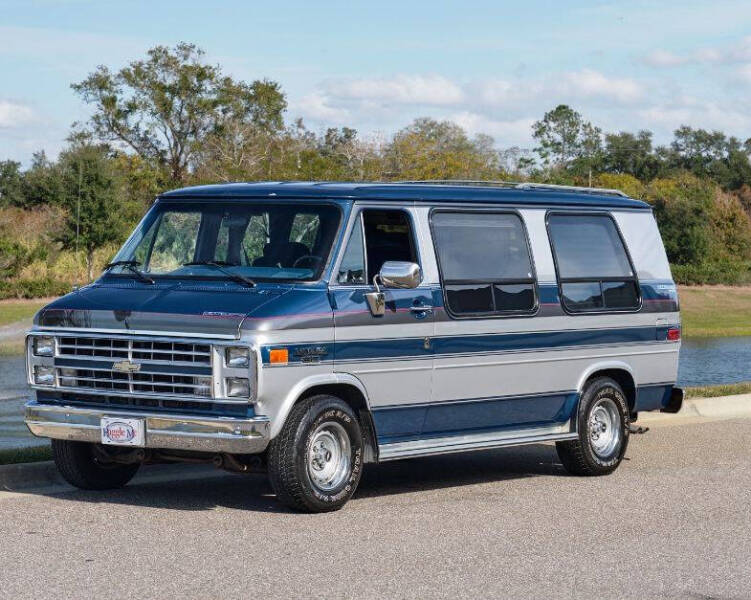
(136, 349)
(157, 366)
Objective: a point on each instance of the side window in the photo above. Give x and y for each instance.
(485, 263)
(594, 271)
(378, 237)
(352, 267)
(388, 236)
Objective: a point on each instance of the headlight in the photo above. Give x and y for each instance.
(44, 375)
(237, 357)
(238, 387)
(203, 386)
(44, 346)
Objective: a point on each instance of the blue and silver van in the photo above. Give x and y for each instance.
(310, 328)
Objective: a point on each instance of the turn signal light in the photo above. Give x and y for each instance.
(674, 334)
(279, 356)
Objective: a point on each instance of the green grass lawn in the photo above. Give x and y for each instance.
(12, 311)
(715, 310)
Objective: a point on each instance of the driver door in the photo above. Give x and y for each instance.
(391, 354)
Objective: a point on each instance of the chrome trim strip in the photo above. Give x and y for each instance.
(152, 335)
(126, 394)
(163, 430)
(477, 441)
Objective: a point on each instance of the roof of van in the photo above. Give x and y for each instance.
(520, 194)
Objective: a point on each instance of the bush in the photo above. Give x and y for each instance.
(721, 272)
(33, 288)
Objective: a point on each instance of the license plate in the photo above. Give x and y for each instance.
(117, 431)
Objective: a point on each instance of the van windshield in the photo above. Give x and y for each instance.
(253, 240)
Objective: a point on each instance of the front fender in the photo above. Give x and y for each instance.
(282, 409)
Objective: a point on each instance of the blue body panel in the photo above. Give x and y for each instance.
(405, 192)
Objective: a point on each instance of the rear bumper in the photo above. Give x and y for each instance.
(675, 402)
(177, 432)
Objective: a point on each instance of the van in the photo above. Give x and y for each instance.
(307, 329)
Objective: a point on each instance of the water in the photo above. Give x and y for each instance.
(709, 361)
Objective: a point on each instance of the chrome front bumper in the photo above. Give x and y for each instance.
(177, 432)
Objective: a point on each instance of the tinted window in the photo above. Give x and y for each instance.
(593, 267)
(588, 247)
(388, 236)
(485, 263)
(352, 267)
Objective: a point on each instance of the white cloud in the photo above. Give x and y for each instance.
(739, 52)
(663, 58)
(316, 106)
(511, 132)
(401, 89)
(589, 83)
(14, 114)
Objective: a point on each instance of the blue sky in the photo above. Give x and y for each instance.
(491, 67)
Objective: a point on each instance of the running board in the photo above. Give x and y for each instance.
(476, 441)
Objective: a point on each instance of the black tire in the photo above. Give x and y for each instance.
(582, 456)
(289, 457)
(79, 466)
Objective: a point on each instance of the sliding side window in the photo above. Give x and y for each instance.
(485, 263)
(594, 270)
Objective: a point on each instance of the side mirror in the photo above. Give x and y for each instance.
(394, 274)
(398, 274)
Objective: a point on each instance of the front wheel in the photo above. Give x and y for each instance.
(602, 423)
(80, 467)
(315, 462)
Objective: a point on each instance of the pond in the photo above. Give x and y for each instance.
(709, 361)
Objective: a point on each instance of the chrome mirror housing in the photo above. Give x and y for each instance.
(399, 274)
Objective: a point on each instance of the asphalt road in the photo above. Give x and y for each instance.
(673, 522)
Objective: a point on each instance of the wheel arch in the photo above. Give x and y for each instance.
(342, 385)
(619, 371)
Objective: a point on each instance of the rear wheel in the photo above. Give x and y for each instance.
(315, 462)
(602, 423)
(80, 467)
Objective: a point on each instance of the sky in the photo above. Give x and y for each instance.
(490, 66)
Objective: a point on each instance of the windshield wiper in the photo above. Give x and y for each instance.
(220, 266)
(132, 266)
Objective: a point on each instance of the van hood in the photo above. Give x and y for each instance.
(201, 309)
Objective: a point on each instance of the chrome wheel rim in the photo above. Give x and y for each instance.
(605, 431)
(329, 456)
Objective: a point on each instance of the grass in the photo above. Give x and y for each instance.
(25, 455)
(12, 311)
(715, 310)
(713, 391)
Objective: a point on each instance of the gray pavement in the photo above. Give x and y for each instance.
(673, 522)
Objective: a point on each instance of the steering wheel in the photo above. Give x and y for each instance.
(315, 261)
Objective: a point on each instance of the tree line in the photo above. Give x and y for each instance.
(172, 119)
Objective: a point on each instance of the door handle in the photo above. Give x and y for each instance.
(421, 311)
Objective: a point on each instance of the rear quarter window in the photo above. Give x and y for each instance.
(593, 266)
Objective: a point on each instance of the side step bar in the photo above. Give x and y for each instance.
(477, 441)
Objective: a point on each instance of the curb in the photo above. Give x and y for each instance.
(44, 476)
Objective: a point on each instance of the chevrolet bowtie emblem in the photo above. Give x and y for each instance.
(126, 366)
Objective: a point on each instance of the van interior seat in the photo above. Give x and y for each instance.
(281, 253)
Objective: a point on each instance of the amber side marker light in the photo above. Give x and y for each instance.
(279, 356)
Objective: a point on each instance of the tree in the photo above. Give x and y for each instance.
(90, 196)
(430, 149)
(11, 183)
(629, 154)
(565, 139)
(163, 107)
